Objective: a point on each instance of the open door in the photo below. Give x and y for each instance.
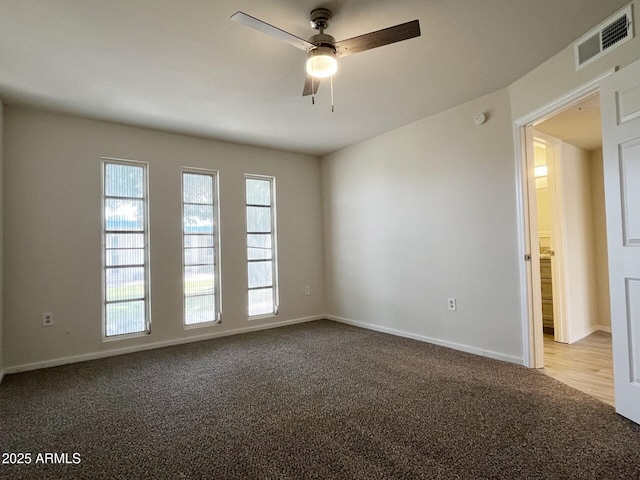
(620, 101)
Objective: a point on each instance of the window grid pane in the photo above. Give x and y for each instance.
(124, 284)
(124, 180)
(125, 317)
(259, 247)
(123, 215)
(261, 257)
(260, 274)
(124, 256)
(198, 189)
(199, 249)
(199, 280)
(261, 301)
(258, 192)
(198, 219)
(125, 287)
(258, 219)
(199, 309)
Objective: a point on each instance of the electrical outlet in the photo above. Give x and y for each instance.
(47, 319)
(452, 304)
(307, 290)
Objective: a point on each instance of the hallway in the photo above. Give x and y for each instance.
(586, 365)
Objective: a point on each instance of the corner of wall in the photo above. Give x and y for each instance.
(600, 239)
(558, 75)
(1, 236)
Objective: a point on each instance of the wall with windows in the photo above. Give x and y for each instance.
(422, 214)
(53, 243)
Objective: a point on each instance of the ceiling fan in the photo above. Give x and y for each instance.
(323, 50)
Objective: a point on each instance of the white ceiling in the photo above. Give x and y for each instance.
(578, 125)
(183, 66)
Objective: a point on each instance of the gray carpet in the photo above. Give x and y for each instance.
(317, 400)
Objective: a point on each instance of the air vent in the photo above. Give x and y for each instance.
(612, 33)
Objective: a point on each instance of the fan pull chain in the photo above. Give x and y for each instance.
(332, 110)
(313, 95)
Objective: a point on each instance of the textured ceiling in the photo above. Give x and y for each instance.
(183, 66)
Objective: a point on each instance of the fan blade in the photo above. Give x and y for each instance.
(272, 31)
(379, 38)
(310, 86)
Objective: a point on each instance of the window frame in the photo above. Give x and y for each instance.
(104, 161)
(274, 247)
(215, 175)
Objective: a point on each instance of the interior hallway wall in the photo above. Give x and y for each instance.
(600, 241)
(581, 294)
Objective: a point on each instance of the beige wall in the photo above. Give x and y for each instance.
(600, 240)
(53, 232)
(1, 237)
(581, 294)
(424, 213)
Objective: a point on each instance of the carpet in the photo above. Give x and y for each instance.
(315, 400)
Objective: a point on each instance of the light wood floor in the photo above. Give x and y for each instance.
(586, 365)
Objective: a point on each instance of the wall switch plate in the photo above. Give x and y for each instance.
(307, 290)
(47, 319)
(452, 304)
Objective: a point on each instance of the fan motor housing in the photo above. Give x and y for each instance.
(320, 18)
(322, 39)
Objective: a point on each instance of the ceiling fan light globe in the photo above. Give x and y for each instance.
(322, 66)
(322, 62)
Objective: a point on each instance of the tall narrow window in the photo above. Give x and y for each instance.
(200, 247)
(125, 252)
(261, 246)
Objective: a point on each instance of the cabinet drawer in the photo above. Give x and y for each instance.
(547, 310)
(545, 268)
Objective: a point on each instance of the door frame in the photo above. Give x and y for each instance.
(559, 267)
(531, 311)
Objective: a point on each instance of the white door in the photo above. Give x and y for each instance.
(620, 101)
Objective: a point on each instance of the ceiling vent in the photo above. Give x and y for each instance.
(610, 34)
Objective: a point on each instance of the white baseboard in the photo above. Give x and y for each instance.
(435, 341)
(151, 346)
(588, 331)
(179, 341)
(605, 328)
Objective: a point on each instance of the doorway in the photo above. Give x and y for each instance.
(570, 324)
